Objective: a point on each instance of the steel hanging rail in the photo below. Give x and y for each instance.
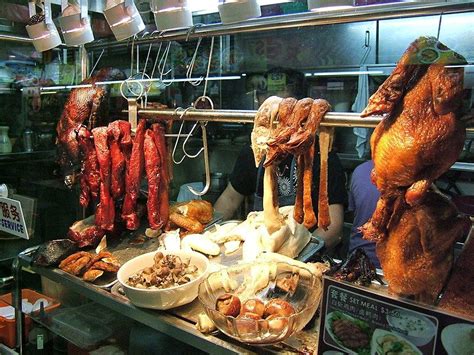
(331, 119)
(354, 14)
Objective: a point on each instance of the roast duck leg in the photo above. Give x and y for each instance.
(421, 135)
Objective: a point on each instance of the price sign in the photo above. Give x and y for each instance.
(359, 320)
(12, 220)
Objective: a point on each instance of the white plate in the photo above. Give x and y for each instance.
(456, 339)
(380, 333)
(333, 336)
(416, 320)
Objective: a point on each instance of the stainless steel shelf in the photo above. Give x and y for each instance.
(355, 14)
(160, 321)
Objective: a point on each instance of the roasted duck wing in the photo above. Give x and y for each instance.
(422, 134)
(418, 254)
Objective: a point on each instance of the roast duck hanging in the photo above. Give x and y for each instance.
(420, 137)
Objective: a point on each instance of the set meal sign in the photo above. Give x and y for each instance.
(11, 218)
(363, 321)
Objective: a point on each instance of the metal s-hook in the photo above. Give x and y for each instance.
(206, 163)
(179, 135)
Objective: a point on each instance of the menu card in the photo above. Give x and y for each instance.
(359, 320)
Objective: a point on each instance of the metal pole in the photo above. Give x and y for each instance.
(84, 61)
(17, 304)
(354, 14)
(13, 38)
(333, 119)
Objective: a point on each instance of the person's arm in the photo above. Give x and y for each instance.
(228, 202)
(333, 235)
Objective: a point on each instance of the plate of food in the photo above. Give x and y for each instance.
(411, 325)
(385, 343)
(458, 339)
(350, 334)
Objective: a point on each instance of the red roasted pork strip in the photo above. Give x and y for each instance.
(90, 179)
(105, 213)
(153, 168)
(133, 178)
(159, 132)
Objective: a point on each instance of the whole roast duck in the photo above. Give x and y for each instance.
(83, 106)
(420, 137)
(422, 133)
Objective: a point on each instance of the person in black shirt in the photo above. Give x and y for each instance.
(247, 180)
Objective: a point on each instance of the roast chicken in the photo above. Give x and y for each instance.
(421, 135)
(417, 255)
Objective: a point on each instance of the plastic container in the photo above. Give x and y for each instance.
(84, 330)
(8, 326)
(5, 143)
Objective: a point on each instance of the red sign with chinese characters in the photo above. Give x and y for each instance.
(11, 218)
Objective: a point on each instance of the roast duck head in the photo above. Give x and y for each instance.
(84, 106)
(421, 134)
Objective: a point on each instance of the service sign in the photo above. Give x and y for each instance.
(358, 320)
(11, 218)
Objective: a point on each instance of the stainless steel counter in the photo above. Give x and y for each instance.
(178, 323)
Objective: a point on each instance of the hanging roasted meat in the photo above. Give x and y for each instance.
(417, 254)
(120, 144)
(296, 136)
(159, 135)
(83, 106)
(153, 168)
(105, 213)
(133, 177)
(90, 175)
(459, 294)
(265, 124)
(421, 135)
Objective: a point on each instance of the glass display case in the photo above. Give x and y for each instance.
(340, 55)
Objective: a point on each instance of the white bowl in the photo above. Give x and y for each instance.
(162, 298)
(413, 326)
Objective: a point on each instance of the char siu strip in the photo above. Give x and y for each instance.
(133, 178)
(153, 168)
(105, 213)
(159, 132)
(90, 179)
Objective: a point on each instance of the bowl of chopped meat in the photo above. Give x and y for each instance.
(163, 280)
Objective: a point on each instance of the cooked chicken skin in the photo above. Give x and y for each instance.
(418, 254)
(421, 136)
